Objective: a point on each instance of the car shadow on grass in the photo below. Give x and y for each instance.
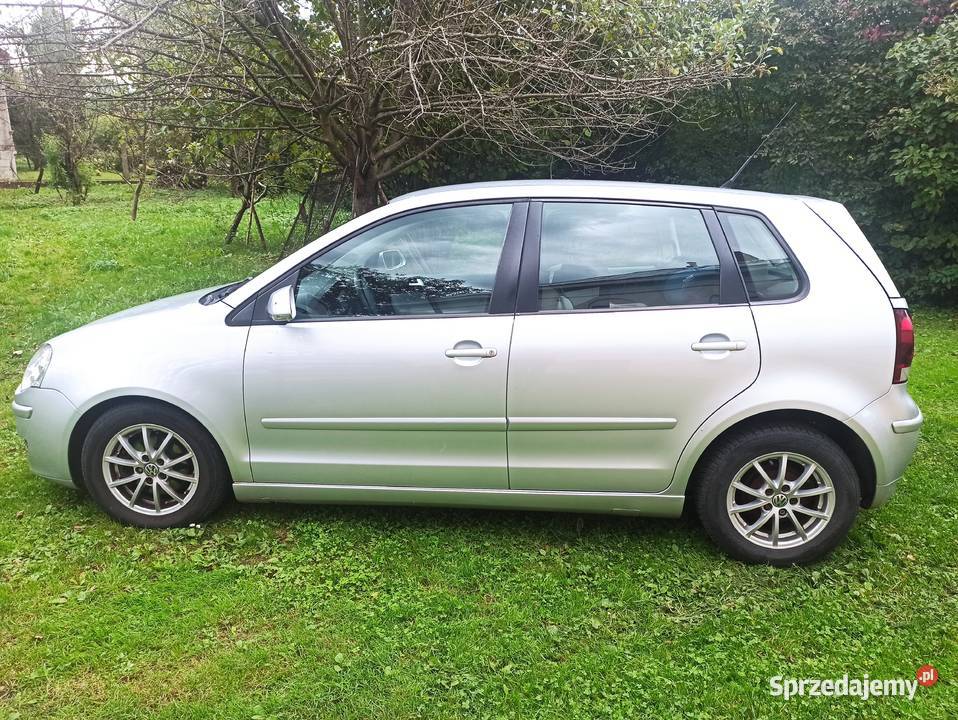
(478, 526)
(680, 539)
(454, 527)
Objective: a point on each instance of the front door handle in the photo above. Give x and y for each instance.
(471, 352)
(719, 346)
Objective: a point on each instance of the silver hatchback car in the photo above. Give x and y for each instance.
(553, 345)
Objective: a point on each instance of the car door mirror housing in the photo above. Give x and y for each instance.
(282, 305)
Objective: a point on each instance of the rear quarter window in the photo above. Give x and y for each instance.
(767, 270)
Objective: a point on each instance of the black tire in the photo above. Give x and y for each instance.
(719, 468)
(213, 486)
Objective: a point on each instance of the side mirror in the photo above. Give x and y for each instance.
(282, 305)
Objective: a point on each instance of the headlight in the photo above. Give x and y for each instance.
(37, 368)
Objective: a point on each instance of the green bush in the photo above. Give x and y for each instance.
(875, 126)
(64, 171)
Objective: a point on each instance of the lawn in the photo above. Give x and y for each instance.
(325, 612)
(25, 174)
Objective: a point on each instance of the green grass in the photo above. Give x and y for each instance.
(303, 612)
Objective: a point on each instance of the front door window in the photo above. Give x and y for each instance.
(436, 262)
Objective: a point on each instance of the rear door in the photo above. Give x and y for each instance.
(632, 329)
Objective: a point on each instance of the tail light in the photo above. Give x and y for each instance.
(904, 344)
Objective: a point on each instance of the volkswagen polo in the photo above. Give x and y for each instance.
(554, 345)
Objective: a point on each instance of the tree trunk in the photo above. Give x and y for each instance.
(365, 189)
(136, 197)
(125, 163)
(75, 191)
(259, 227)
(139, 188)
(237, 219)
(36, 185)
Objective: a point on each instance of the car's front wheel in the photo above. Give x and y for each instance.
(780, 495)
(150, 465)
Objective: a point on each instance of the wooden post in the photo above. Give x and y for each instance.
(335, 206)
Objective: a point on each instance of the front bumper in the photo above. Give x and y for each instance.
(44, 420)
(889, 426)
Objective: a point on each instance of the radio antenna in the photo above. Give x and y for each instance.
(728, 183)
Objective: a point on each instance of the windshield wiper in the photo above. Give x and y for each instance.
(216, 295)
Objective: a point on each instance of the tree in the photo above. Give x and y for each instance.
(29, 121)
(50, 78)
(381, 84)
(921, 133)
(872, 128)
(136, 144)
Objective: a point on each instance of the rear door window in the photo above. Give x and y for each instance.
(619, 256)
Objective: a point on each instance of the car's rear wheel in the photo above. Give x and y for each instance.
(150, 465)
(780, 495)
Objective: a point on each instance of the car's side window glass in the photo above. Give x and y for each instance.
(428, 263)
(767, 270)
(598, 256)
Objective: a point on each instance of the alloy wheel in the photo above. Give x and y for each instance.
(150, 469)
(780, 500)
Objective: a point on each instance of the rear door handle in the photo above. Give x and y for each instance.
(471, 352)
(719, 346)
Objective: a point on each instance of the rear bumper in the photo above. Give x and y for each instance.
(889, 426)
(908, 426)
(44, 419)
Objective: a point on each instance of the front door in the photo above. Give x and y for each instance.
(631, 333)
(394, 370)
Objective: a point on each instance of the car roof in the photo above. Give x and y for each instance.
(610, 189)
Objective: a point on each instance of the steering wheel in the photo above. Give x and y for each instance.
(310, 295)
(313, 306)
(367, 298)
